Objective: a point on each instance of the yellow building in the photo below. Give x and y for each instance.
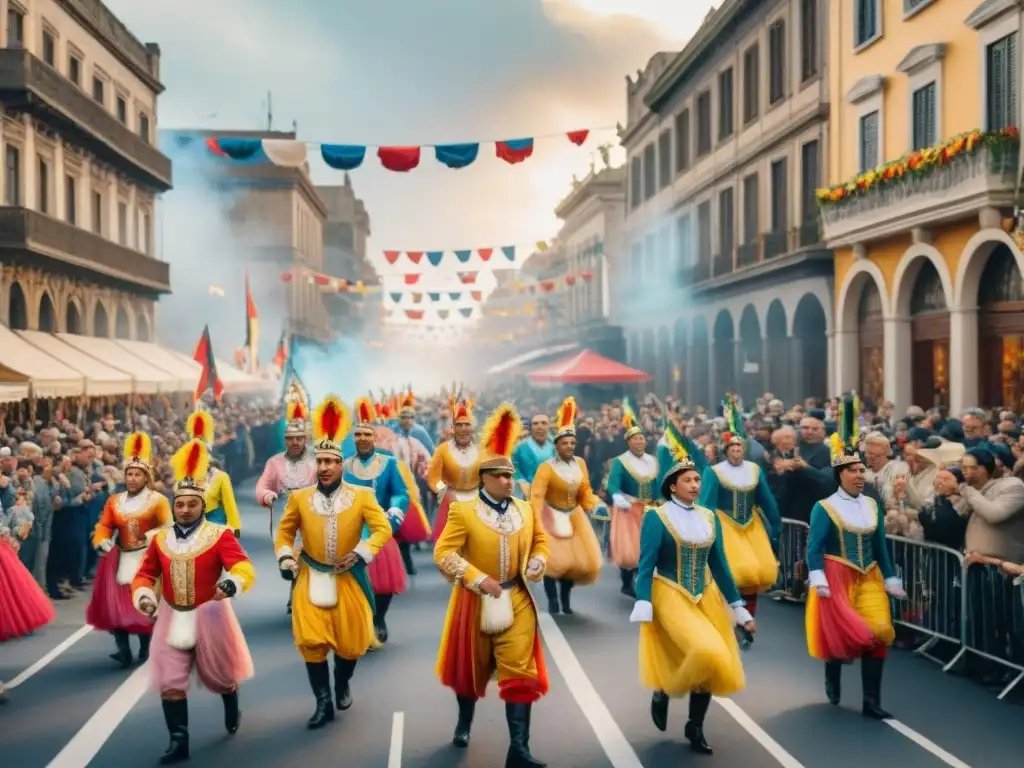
(923, 164)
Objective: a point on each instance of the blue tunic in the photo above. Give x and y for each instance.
(527, 458)
(741, 504)
(379, 471)
(623, 479)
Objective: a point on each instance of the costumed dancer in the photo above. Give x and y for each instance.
(675, 446)
(379, 472)
(738, 491)
(24, 607)
(454, 472)
(196, 628)
(127, 524)
(413, 457)
(687, 605)
(333, 605)
(294, 468)
(561, 497)
(491, 545)
(848, 612)
(220, 493)
(531, 453)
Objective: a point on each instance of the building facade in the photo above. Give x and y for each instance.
(80, 172)
(726, 141)
(923, 172)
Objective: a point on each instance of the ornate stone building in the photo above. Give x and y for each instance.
(79, 173)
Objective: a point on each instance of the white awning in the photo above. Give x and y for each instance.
(147, 379)
(100, 379)
(13, 393)
(185, 371)
(529, 357)
(234, 380)
(22, 363)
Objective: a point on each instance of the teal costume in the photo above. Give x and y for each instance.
(527, 458)
(631, 479)
(673, 448)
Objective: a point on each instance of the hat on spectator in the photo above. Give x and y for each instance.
(191, 464)
(684, 465)
(566, 420)
(498, 439)
(817, 413)
(296, 407)
(138, 452)
(366, 415)
(331, 423)
(843, 442)
(629, 420)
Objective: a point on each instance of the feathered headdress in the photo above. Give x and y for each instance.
(843, 443)
(138, 452)
(461, 407)
(191, 464)
(408, 404)
(200, 426)
(365, 415)
(675, 442)
(498, 439)
(296, 411)
(331, 422)
(629, 419)
(566, 422)
(682, 465)
(733, 416)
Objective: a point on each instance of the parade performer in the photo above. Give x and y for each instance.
(127, 524)
(220, 499)
(531, 453)
(491, 545)
(561, 496)
(687, 604)
(333, 606)
(631, 487)
(294, 468)
(195, 627)
(24, 607)
(848, 614)
(454, 472)
(675, 446)
(738, 491)
(412, 457)
(407, 426)
(379, 472)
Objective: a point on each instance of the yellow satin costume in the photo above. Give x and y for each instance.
(561, 496)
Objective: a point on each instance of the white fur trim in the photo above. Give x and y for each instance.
(142, 592)
(561, 525)
(496, 614)
(182, 632)
(323, 588)
(238, 581)
(740, 613)
(464, 495)
(363, 550)
(643, 612)
(817, 579)
(128, 565)
(285, 552)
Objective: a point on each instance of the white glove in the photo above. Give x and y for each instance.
(105, 546)
(741, 616)
(643, 612)
(620, 501)
(269, 498)
(894, 587)
(823, 590)
(440, 489)
(396, 514)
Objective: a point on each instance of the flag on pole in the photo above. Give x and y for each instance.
(252, 327)
(281, 354)
(208, 379)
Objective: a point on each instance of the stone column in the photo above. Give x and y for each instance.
(898, 362)
(844, 361)
(963, 359)
(29, 166)
(795, 379)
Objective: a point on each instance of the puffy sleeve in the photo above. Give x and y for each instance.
(378, 523)
(448, 551)
(107, 524)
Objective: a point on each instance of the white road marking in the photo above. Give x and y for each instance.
(926, 744)
(771, 746)
(21, 677)
(397, 734)
(88, 742)
(618, 749)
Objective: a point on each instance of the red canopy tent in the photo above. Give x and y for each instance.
(587, 367)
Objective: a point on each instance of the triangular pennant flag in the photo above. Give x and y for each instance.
(434, 297)
(578, 137)
(477, 295)
(392, 256)
(514, 151)
(547, 286)
(467, 278)
(434, 257)
(570, 279)
(587, 275)
(456, 155)
(466, 311)
(542, 246)
(485, 253)
(443, 313)
(509, 252)
(414, 314)
(455, 296)
(399, 159)
(463, 256)
(415, 256)
(417, 298)
(396, 297)
(411, 278)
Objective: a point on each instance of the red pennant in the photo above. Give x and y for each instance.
(467, 278)
(392, 256)
(415, 256)
(411, 278)
(214, 148)
(485, 253)
(547, 286)
(587, 275)
(578, 137)
(477, 295)
(399, 159)
(286, 277)
(512, 155)
(414, 314)
(570, 279)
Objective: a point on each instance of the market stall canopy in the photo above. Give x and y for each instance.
(587, 367)
(233, 379)
(13, 393)
(529, 357)
(185, 371)
(147, 379)
(46, 376)
(100, 379)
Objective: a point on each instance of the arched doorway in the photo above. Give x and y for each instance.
(122, 328)
(777, 361)
(809, 364)
(751, 357)
(663, 363)
(142, 328)
(679, 361)
(698, 375)
(929, 334)
(1001, 331)
(724, 355)
(17, 311)
(73, 319)
(47, 314)
(871, 343)
(100, 321)
(648, 356)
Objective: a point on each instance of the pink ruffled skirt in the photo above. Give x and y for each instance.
(386, 571)
(24, 607)
(111, 605)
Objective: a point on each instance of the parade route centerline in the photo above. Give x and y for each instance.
(397, 735)
(89, 740)
(38, 666)
(926, 744)
(771, 746)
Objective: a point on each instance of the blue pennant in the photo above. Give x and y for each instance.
(434, 296)
(509, 251)
(343, 157)
(396, 297)
(465, 311)
(463, 256)
(454, 296)
(241, 149)
(456, 155)
(434, 257)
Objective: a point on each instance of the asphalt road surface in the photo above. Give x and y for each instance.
(69, 707)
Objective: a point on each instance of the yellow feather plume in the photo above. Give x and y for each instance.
(501, 431)
(138, 447)
(332, 420)
(200, 426)
(191, 460)
(296, 411)
(835, 446)
(567, 412)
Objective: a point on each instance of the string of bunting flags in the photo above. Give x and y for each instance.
(292, 153)
(331, 284)
(465, 255)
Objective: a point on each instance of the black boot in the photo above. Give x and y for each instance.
(176, 717)
(380, 627)
(144, 648)
(320, 681)
(288, 608)
(551, 590)
(232, 714)
(871, 678)
(518, 717)
(833, 680)
(124, 648)
(406, 550)
(694, 732)
(343, 671)
(467, 707)
(627, 582)
(564, 588)
(659, 710)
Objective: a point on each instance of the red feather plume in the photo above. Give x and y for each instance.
(300, 411)
(138, 445)
(501, 431)
(331, 419)
(195, 455)
(200, 425)
(364, 412)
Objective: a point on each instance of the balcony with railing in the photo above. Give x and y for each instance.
(722, 264)
(748, 254)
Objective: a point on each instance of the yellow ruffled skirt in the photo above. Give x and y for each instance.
(749, 553)
(578, 557)
(689, 646)
(346, 629)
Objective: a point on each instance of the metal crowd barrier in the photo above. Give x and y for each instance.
(994, 619)
(792, 582)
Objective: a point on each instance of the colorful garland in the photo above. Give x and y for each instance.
(917, 163)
